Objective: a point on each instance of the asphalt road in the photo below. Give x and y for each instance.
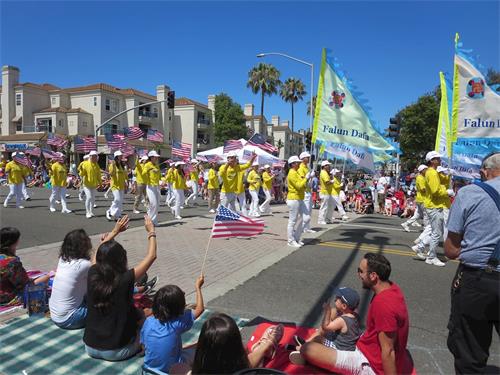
(294, 289)
(39, 226)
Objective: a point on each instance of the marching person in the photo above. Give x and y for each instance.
(267, 185)
(91, 174)
(229, 174)
(193, 178)
(295, 202)
(118, 185)
(81, 192)
(59, 174)
(140, 190)
(336, 188)
(15, 177)
(241, 195)
(213, 187)
(326, 186)
(305, 157)
(445, 179)
(28, 172)
(254, 182)
(419, 199)
(179, 186)
(152, 174)
(169, 180)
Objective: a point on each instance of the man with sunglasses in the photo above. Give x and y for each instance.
(474, 238)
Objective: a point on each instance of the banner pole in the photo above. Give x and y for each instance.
(206, 252)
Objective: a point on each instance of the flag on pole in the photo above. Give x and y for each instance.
(49, 154)
(259, 141)
(114, 141)
(182, 150)
(85, 144)
(232, 145)
(231, 224)
(56, 140)
(133, 132)
(155, 136)
(443, 134)
(34, 151)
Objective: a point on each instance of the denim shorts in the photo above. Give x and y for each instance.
(76, 320)
(116, 354)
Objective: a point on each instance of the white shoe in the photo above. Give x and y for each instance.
(345, 217)
(294, 244)
(296, 358)
(105, 196)
(67, 196)
(21, 207)
(309, 231)
(321, 222)
(301, 243)
(178, 218)
(58, 202)
(137, 212)
(416, 249)
(182, 207)
(212, 211)
(80, 197)
(416, 224)
(435, 262)
(405, 227)
(417, 240)
(88, 216)
(108, 215)
(52, 209)
(66, 211)
(95, 205)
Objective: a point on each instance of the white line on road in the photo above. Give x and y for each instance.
(375, 227)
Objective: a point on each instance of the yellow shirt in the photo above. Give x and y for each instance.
(27, 170)
(169, 178)
(16, 172)
(91, 174)
(139, 173)
(240, 184)
(296, 185)
(213, 180)
(303, 170)
(421, 192)
(445, 181)
(193, 176)
(230, 176)
(151, 173)
(59, 174)
(178, 180)
(437, 195)
(267, 180)
(118, 177)
(336, 186)
(324, 183)
(253, 180)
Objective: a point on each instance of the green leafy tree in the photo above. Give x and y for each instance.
(264, 78)
(292, 91)
(279, 145)
(229, 120)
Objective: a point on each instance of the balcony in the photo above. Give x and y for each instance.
(203, 123)
(146, 116)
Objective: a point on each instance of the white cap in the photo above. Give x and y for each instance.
(177, 163)
(60, 154)
(305, 154)
(20, 153)
(194, 161)
(293, 159)
(421, 167)
(92, 153)
(14, 154)
(117, 153)
(267, 166)
(431, 155)
(325, 162)
(144, 157)
(255, 164)
(153, 153)
(334, 170)
(232, 154)
(85, 157)
(441, 169)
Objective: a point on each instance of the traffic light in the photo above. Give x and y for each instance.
(394, 128)
(308, 140)
(171, 100)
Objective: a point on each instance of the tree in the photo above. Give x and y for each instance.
(229, 120)
(263, 78)
(313, 106)
(292, 91)
(279, 145)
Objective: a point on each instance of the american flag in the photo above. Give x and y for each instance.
(259, 141)
(114, 141)
(155, 136)
(133, 133)
(231, 224)
(208, 158)
(279, 164)
(232, 145)
(57, 141)
(182, 150)
(127, 149)
(49, 154)
(85, 144)
(34, 151)
(23, 160)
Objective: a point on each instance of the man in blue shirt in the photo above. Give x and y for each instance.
(473, 234)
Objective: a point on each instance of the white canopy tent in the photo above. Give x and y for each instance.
(263, 157)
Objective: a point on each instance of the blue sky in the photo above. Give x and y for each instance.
(392, 50)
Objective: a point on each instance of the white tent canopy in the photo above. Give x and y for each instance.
(262, 156)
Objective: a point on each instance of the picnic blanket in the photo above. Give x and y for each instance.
(38, 346)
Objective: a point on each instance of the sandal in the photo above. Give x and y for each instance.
(273, 334)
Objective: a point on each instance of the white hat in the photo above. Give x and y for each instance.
(92, 153)
(432, 155)
(441, 169)
(194, 161)
(177, 163)
(421, 167)
(334, 170)
(60, 154)
(85, 157)
(293, 159)
(232, 154)
(255, 164)
(117, 153)
(14, 154)
(305, 154)
(325, 162)
(267, 166)
(20, 153)
(153, 153)
(144, 157)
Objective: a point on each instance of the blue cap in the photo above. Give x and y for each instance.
(349, 296)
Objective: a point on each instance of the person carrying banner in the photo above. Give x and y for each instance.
(152, 174)
(213, 187)
(419, 199)
(179, 186)
(118, 185)
(295, 202)
(91, 174)
(140, 190)
(193, 182)
(336, 188)
(326, 187)
(59, 174)
(15, 177)
(254, 183)
(229, 174)
(267, 185)
(305, 157)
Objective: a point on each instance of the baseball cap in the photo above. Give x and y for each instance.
(335, 170)
(14, 154)
(432, 155)
(153, 153)
(92, 153)
(144, 157)
(194, 161)
(305, 154)
(293, 159)
(231, 154)
(267, 166)
(421, 167)
(85, 157)
(255, 164)
(441, 169)
(349, 296)
(117, 153)
(325, 162)
(177, 163)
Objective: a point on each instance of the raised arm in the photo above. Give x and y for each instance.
(150, 257)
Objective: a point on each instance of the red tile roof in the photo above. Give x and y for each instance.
(62, 110)
(179, 102)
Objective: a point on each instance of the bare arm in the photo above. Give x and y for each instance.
(200, 307)
(387, 341)
(120, 226)
(150, 257)
(452, 245)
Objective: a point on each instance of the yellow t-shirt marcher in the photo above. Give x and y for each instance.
(151, 174)
(267, 180)
(229, 176)
(326, 187)
(59, 174)
(91, 174)
(118, 177)
(16, 172)
(437, 195)
(213, 180)
(296, 185)
(254, 180)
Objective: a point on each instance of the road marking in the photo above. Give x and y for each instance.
(376, 227)
(368, 248)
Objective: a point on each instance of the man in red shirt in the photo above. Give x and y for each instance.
(382, 347)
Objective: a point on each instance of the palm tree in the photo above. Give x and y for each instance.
(266, 79)
(279, 145)
(313, 106)
(292, 91)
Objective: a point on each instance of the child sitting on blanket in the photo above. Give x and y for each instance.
(161, 333)
(340, 328)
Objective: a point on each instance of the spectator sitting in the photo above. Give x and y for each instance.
(113, 323)
(388, 204)
(161, 333)
(359, 199)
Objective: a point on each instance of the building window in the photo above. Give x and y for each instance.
(107, 105)
(61, 123)
(95, 101)
(114, 105)
(44, 125)
(19, 126)
(53, 100)
(155, 112)
(109, 129)
(18, 99)
(84, 124)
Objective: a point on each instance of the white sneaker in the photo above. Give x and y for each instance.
(66, 211)
(95, 205)
(345, 217)
(137, 212)
(108, 215)
(322, 222)
(416, 249)
(178, 218)
(405, 227)
(309, 231)
(301, 243)
(296, 358)
(58, 202)
(212, 211)
(80, 197)
(416, 224)
(435, 262)
(67, 196)
(52, 209)
(417, 240)
(294, 244)
(88, 216)
(21, 207)
(182, 207)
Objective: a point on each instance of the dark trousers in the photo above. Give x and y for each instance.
(475, 300)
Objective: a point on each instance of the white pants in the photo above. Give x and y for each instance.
(295, 223)
(446, 213)
(89, 199)
(419, 213)
(117, 206)
(338, 203)
(228, 200)
(242, 201)
(15, 190)
(436, 218)
(254, 206)
(58, 194)
(425, 237)
(153, 193)
(25, 191)
(266, 206)
(326, 208)
(170, 195)
(179, 201)
(194, 194)
(307, 213)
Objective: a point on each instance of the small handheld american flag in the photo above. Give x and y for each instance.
(231, 224)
